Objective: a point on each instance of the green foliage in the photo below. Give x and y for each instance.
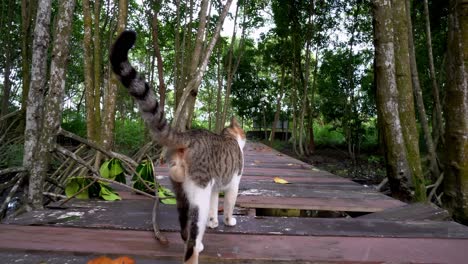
(145, 170)
(328, 135)
(11, 155)
(129, 136)
(111, 169)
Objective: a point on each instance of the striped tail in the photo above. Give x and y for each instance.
(151, 112)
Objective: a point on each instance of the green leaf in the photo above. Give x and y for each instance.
(165, 192)
(115, 168)
(145, 170)
(76, 184)
(71, 188)
(112, 169)
(169, 201)
(108, 194)
(104, 170)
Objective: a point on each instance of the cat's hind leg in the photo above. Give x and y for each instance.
(213, 215)
(199, 199)
(230, 197)
(182, 208)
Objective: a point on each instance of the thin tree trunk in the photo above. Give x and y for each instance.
(232, 67)
(312, 105)
(97, 70)
(435, 86)
(91, 122)
(219, 114)
(28, 10)
(405, 98)
(157, 53)
(398, 171)
(35, 104)
(108, 125)
(6, 82)
(191, 89)
(53, 106)
(434, 167)
(278, 105)
(456, 113)
(7, 66)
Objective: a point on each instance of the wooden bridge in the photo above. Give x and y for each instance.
(338, 221)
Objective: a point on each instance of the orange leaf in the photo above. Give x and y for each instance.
(101, 260)
(106, 260)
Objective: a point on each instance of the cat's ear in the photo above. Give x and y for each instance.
(234, 122)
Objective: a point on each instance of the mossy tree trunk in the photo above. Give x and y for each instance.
(28, 11)
(456, 113)
(108, 124)
(35, 102)
(53, 101)
(398, 171)
(92, 125)
(405, 98)
(434, 167)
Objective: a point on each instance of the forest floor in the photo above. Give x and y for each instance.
(368, 170)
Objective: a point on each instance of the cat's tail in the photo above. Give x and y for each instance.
(151, 111)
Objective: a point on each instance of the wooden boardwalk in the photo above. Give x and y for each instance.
(386, 231)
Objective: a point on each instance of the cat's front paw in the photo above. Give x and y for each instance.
(230, 221)
(212, 222)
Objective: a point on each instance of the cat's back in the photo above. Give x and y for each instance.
(212, 156)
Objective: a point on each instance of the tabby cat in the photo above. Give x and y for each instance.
(201, 163)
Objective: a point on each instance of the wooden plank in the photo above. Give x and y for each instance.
(64, 258)
(138, 217)
(327, 204)
(417, 211)
(224, 248)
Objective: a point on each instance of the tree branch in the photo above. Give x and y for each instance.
(19, 179)
(154, 215)
(97, 147)
(96, 175)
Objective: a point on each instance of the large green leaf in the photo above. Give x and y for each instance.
(145, 170)
(112, 169)
(108, 194)
(74, 185)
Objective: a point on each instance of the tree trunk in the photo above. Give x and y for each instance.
(35, 104)
(219, 114)
(438, 125)
(434, 167)
(53, 102)
(28, 10)
(232, 67)
(312, 105)
(157, 53)
(108, 125)
(191, 89)
(405, 98)
(398, 171)
(91, 121)
(97, 70)
(278, 105)
(6, 78)
(456, 113)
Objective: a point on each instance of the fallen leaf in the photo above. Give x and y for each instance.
(106, 260)
(281, 181)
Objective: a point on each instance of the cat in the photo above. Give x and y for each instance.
(202, 163)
